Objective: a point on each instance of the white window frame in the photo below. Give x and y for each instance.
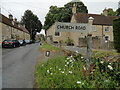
(94, 28)
(59, 34)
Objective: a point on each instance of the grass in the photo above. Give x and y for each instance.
(46, 46)
(70, 72)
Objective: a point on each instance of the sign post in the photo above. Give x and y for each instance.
(71, 27)
(89, 42)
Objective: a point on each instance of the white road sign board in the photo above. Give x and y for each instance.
(71, 27)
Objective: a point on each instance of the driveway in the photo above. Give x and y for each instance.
(18, 66)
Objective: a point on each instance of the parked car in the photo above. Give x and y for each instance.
(10, 43)
(22, 42)
(27, 41)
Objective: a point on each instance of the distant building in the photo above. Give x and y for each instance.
(102, 28)
(11, 29)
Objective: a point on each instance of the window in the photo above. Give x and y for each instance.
(57, 33)
(94, 28)
(106, 29)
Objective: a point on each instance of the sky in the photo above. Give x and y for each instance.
(41, 7)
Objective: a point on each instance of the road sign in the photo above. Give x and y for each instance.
(71, 27)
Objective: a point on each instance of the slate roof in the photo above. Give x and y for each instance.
(8, 22)
(98, 19)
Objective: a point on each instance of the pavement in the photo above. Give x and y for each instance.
(18, 66)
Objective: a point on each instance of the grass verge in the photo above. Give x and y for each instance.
(70, 72)
(48, 47)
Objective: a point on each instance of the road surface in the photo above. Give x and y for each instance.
(18, 66)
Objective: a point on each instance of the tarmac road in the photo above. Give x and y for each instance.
(18, 66)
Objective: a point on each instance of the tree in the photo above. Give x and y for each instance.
(32, 23)
(118, 12)
(62, 14)
(116, 33)
(111, 12)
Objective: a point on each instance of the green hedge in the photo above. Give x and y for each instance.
(116, 33)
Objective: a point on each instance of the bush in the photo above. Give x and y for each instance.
(116, 33)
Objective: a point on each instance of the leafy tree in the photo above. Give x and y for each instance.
(62, 14)
(118, 12)
(111, 12)
(32, 23)
(116, 33)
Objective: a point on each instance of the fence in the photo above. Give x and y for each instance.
(97, 43)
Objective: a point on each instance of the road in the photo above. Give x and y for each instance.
(18, 66)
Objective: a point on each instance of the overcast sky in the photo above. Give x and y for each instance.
(41, 7)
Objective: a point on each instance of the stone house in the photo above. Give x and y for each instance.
(101, 28)
(11, 29)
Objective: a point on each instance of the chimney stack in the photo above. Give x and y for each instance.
(11, 17)
(105, 12)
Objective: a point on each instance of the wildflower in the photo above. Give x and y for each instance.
(59, 69)
(42, 65)
(70, 60)
(109, 63)
(84, 68)
(78, 82)
(50, 68)
(48, 71)
(62, 71)
(101, 62)
(110, 67)
(81, 57)
(71, 56)
(51, 73)
(70, 71)
(67, 62)
(65, 65)
(106, 80)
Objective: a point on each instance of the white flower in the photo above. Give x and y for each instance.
(71, 60)
(62, 71)
(106, 80)
(68, 58)
(48, 71)
(70, 71)
(84, 68)
(78, 82)
(81, 57)
(109, 63)
(65, 65)
(42, 65)
(51, 73)
(110, 67)
(50, 68)
(67, 62)
(71, 56)
(101, 62)
(59, 69)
